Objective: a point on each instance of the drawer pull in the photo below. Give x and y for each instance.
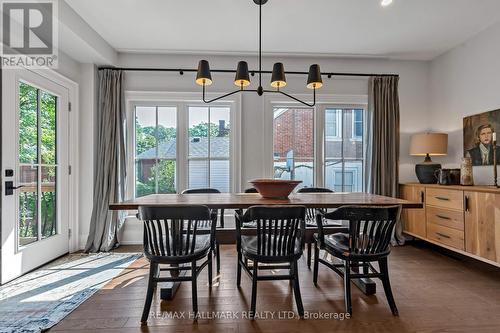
(443, 198)
(442, 235)
(443, 217)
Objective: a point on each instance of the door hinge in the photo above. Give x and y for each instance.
(69, 233)
(69, 169)
(69, 106)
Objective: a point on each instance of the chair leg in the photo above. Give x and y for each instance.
(150, 292)
(316, 264)
(309, 245)
(254, 289)
(347, 286)
(217, 258)
(210, 274)
(296, 289)
(387, 285)
(194, 287)
(238, 270)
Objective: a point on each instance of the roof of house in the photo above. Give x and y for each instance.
(198, 147)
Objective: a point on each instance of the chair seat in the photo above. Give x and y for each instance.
(337, 243)
(249, 248)
(201, 248)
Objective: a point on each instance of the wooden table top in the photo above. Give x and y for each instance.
(245, 200)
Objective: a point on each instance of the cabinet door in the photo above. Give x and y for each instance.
(482, 224)
(414, 219)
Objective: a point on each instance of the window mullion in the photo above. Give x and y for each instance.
(156, 157)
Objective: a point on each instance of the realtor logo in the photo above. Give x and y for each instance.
(29, 33)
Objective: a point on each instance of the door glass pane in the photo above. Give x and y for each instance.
(293, 136)
(28, 124)
(48, 202)
(48, 127)
(219, 175)
(28, 204)
(165, 172)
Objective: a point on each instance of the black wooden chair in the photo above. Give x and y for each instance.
(368, 240)
(174, 236)
(311, 215)
(276, 240)
(215, 212)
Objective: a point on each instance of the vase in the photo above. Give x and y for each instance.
(466, 176)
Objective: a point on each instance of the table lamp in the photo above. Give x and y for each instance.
(428, 144)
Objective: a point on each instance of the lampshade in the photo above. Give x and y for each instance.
(434, 144)
(314, 78)
(242, 78)
(203, 76)
(278, 79)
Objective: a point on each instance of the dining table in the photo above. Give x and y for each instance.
(227, 235)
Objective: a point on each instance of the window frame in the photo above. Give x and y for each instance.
(182, 101)
(323, 102)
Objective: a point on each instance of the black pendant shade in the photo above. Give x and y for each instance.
(242, 78)
(203, 76)
(314, 78)
(278, 79)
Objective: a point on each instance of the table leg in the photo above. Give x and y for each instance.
(366, 285)
(168, 290)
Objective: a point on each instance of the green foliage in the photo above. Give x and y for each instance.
(29, 106)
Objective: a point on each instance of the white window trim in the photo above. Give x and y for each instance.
(322, 102)
(182, 101)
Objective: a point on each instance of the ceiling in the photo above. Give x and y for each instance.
(407, 29)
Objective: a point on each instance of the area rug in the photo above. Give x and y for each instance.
(39, 300)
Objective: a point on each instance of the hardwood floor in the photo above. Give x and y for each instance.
(433, 292)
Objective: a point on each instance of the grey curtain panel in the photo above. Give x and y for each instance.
(110, 162)
(382, 156)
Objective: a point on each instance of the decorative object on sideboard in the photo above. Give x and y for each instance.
(466, 175)
(428, 144)
(274, 188)
(448, 176)
(478, 138)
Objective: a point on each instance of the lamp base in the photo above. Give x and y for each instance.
(426, 172)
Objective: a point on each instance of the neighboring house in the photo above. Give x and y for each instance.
(198, 156)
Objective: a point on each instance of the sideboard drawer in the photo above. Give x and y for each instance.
(444, 198)
(446, 217)
(447, 236)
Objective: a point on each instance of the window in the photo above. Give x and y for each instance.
(357, 124)
(209, 147)
(155, 149)
(293, 141)
(344, 158)
(180, 143)
(333, 124)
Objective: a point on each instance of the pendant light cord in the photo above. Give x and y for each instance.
(260, 44)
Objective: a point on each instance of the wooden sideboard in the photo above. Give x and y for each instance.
(464, 219)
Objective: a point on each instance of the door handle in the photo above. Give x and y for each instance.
(9, 187)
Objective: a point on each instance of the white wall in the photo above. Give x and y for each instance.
(463, 82)
(413, 99)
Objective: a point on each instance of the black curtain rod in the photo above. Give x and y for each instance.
(183, 70)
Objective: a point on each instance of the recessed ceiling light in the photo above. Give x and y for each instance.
(386, 3)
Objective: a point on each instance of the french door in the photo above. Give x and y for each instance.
(35, 175)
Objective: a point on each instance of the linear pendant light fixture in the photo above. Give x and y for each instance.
(242, 78)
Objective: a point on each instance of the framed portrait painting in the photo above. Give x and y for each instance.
(478, 137)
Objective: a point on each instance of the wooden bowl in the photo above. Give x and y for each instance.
(275, 188)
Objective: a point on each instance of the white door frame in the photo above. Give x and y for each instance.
(10, 78)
